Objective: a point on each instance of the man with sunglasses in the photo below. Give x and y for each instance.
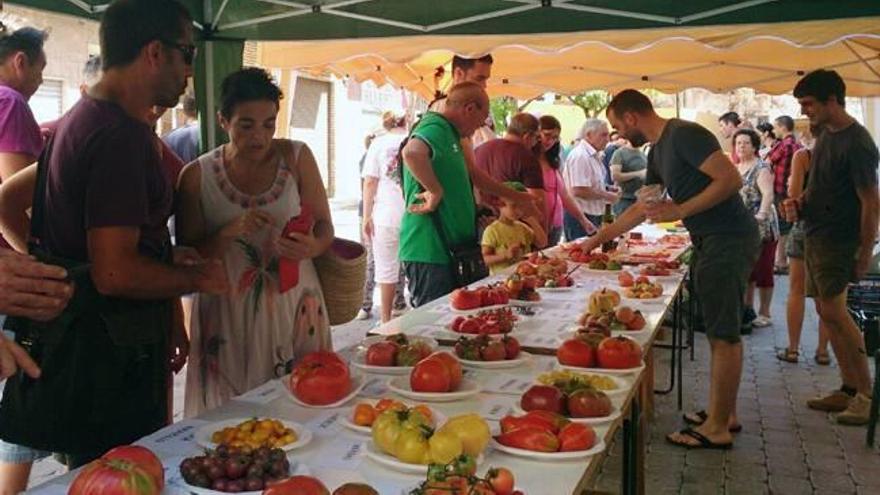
(103, 200)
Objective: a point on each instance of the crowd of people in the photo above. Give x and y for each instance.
(92, 285)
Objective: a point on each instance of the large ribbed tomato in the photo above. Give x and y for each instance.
(128, 470)
(320, 378)
(297, 485)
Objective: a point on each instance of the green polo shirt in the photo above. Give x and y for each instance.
(419, 241)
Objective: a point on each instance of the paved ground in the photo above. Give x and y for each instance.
(784, 448)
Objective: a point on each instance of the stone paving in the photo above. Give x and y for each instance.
(784, 448)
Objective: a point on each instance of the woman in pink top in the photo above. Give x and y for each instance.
(558, 198)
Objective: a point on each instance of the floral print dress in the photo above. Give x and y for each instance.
(253, 334)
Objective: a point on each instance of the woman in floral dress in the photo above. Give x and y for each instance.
(234, 204)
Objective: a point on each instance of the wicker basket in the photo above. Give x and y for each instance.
(342, 271)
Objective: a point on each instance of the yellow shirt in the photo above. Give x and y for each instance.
(500, 235)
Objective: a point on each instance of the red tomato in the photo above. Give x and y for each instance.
(430, 375)
(501, 480)
(321, 378)
(298, 485)
(453, 365)
(381, 354)
(543, 397)
(511, 347)
(588, 403)
(576, 436)
(535, 439)
(511, 423)
(128, 471)
(494, 351)
(471, 325)
(457, 322)
(619, 353)
(465, 299)
(555, 419)
(576, 352)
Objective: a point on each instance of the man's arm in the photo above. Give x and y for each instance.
(417, 159)
(16, 196)
(118, 269)
(868, 197)
(586, 192)
(631, 217)
(618, 175)
(726, 182)
(371, 185)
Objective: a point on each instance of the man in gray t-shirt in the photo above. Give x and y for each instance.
(704, 189)
(840, 213)
(627, 168)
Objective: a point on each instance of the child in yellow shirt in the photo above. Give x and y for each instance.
(513, 235)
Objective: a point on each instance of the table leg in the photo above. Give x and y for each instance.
(632, 481)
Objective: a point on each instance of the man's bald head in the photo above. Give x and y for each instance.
(467, 107)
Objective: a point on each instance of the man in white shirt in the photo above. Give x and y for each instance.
(584, 175)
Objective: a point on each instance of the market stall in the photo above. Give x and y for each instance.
(331, 447)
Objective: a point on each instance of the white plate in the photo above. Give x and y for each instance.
(521, 302)
(477, 310)
(548, 456)
(358, 361)
(439, 417)
(400, 385)
(394, 464)
(357, 383)
(633, 334)
(637, 300)
(497, 365)
(596, 270)
(558, 289)
(367, 342)
(605, 371)
(203, 434)
(176, 480)
(615, 413)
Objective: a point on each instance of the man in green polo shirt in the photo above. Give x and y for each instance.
(437, 177)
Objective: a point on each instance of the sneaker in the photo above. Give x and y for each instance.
(363, 314)
(857, 413)
(749, 316)
(761, 321)
(836, 401)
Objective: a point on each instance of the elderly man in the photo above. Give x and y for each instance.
(512, 158)
(704, 188)
(437, 180)
(585, 176)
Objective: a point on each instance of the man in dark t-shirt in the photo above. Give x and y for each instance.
(105, 208)
(703, 186)
(511, 159)
(840, 213)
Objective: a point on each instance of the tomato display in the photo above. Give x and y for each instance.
(320, 378)
(530, 438)
(355, 489)
(128, 470)
(233, 470)
(576, 436)
(459, 478)
(397, 350)
(588, 403)
(487, 322)
(483, 348)
(430, 375)
(468, 299)
(452, 364)
(619, 353)
(545, 434)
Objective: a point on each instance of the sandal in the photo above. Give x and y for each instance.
(788, 355)
(822, 358)
(699, 417)
(705, 443)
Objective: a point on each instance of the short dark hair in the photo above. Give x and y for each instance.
(548, 122)
(469, 63)
(753, 137)
(248, 84)
(92, 67)
(822, 84)
(189, 105)
(27, 40)
(630, 100)
(785, 121)
(766, 127)
(130, 25)
(523, 123)
(730, 118)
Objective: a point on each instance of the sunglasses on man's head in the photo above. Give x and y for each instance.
(188, 51)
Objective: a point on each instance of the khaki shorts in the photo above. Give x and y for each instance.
(721, 268)
(831, 266)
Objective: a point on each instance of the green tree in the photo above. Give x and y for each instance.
(593, 103)
(501, 109)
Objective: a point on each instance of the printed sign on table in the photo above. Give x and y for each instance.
(326, 423)
(376, 386)
(506, 384)
(174, 439)
(263, 394)
(495, 408)
(343, 452)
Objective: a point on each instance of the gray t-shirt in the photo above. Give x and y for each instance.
(842, 162)
(630, 160)
(675, 160)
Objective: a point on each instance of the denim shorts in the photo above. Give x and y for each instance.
(19, 454)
